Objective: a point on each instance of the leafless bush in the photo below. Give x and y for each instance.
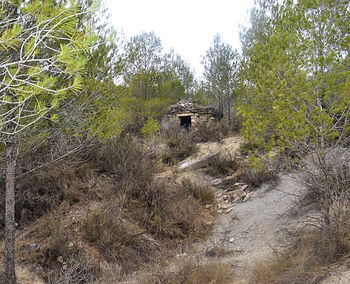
(326, 177)
(75, 270)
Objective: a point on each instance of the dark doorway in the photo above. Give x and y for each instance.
(185, 122)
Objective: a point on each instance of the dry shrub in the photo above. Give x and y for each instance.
(191, 272)
(221, 165)
(76, 270)
(256, 176)
(44, 190)
(219, 252)
(179, 145)
(211, 132)
(203, 193)
(326, 177)
(117, 239)
(215, 131)
(122, 157)
(174, 211)
(179, 217)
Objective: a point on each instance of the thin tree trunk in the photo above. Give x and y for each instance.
(10, 275)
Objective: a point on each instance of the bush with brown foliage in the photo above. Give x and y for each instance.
(215, 131)
(221, 165)
(256, 177)
(44, 190)
(174, 211)
(179, 145)
(117, 238)
(203, 193)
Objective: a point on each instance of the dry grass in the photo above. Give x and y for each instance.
(216, 131)
(191, 272)
(117, 239)
(221, 165)
(174, 212)
(308, 258)
(266, 172)
(203, 193)
(180, 145)
(133, 219)
(43, 191)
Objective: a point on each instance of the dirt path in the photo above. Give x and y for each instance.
(254, 229)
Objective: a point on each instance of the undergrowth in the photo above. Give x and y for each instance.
(221, 165)
(192, 272)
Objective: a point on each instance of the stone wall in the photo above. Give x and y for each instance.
(199, 114)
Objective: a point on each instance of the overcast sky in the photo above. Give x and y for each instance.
(187, 26)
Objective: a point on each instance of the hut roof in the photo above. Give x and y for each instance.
(185, 106)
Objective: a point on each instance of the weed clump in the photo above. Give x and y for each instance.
(221, 165)
(174, 212)
(193, 272)
(179, 145)
(117, 238)
(203, 193)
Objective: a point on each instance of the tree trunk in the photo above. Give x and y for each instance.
(10, 275)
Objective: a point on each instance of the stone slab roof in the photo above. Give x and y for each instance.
(185, 106)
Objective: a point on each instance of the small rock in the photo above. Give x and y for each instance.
(208, 206)
(238, 249)
(225, 197)
(229, 210)
(247, 197)
(220, 211)
(71, 244)
(182, 255)
(226, 201)
(231, 240)
(60, 259)
(225, 206)
(245, 186)
(216, 181)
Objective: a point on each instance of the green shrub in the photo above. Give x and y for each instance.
(54, 231)
(150, 128)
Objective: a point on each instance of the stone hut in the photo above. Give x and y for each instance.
(188, 115)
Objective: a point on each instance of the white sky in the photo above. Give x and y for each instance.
(187, 26)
